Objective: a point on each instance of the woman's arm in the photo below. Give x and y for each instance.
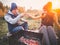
(33, 17)
(56, 20)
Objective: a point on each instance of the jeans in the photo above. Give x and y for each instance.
(49, 36)
(24, 26)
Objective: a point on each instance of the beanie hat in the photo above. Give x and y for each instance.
(48, 6)
(13, 6)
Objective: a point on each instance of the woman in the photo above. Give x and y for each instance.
(48, 18)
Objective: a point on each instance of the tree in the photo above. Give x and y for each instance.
(21, 9)
(1, 6)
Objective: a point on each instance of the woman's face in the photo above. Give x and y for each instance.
(44, 10)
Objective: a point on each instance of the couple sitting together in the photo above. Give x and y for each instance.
(49, 17)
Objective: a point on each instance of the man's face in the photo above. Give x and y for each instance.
(15, 11)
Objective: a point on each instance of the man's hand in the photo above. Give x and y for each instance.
(27, 14)
(22, 14)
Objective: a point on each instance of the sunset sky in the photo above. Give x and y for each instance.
(34, 4)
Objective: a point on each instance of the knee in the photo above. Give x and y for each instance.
(43, 29)
(21, 28)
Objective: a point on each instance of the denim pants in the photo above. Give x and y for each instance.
(49, 36)
(24, 26)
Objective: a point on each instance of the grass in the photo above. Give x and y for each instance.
(3, 31)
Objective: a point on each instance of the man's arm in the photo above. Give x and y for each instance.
(11, 20)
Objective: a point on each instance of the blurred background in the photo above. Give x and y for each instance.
(24, 6)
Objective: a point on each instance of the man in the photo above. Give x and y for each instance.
(48, 19)
(13, 19)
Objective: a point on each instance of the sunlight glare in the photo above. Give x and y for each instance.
(56, 4)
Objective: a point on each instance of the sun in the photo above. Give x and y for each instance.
(56, 4)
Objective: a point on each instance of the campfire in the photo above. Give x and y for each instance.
(26, 38)
(29, 41)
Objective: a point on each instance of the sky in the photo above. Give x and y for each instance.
(33, 4)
